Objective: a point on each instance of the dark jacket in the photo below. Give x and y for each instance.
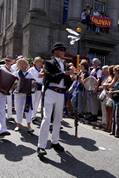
(54, 74)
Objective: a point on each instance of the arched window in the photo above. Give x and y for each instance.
(26, 7)
(100, 5)
(9, 11)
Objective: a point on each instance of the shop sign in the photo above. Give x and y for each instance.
(101, 21)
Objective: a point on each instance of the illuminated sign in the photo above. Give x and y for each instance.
(101, 21)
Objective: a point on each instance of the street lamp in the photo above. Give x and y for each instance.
(75, 37)
(78, 30)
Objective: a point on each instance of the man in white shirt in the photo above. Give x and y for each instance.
(36, 72)
(56, 81)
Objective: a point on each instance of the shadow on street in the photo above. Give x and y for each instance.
(13, 152)
(76, 168)
(86, 143)
(29, 138)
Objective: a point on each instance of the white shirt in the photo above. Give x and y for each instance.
(5, 68)
(98, 73)
(28, 76)
(83, 15)
(96, 13)
(35, 74)
(14, 68)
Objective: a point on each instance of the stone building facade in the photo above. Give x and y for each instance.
(30, 27)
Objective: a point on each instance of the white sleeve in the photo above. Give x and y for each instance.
(99, 73)
(15, 74)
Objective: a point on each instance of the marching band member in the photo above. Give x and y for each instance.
(3, 97)
(36, 72)
(14, 65)
(7, 67)
(23, 95)
(3, 127)
(56, 81)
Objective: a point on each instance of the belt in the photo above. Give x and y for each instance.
(56, 89)
(39, 86)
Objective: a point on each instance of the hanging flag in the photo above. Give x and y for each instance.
(65, 11)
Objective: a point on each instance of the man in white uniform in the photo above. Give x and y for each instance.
(36, 72)
(3, 98)
(7, 67)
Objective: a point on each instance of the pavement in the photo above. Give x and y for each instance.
(94, 154)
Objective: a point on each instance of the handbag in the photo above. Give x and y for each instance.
(109, 102)
(102, 95)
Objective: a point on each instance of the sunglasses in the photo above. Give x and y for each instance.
(7, 60)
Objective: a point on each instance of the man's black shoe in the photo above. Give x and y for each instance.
(5, 134)
(57, 147)
(41, 152)
(36, 121)
(117, 136)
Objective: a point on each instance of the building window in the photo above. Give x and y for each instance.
(99, 54)
(9, 12)
(1, 18)
(99, 5)
(26, 7)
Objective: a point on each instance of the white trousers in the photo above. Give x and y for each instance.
(9, 106)
(20, 100)
(3, 126)
(56, 100)
(36, 97)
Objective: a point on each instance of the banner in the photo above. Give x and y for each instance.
(101, 21)
(65, 10)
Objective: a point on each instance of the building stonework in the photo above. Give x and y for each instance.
(30, 27)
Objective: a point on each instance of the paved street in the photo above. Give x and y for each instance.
(94, 154)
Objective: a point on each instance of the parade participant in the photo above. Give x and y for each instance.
(6, 81)
(14, 65)
(37, 74)
(23, 102)
(56, 82)
(3, 127)
(9, 60)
